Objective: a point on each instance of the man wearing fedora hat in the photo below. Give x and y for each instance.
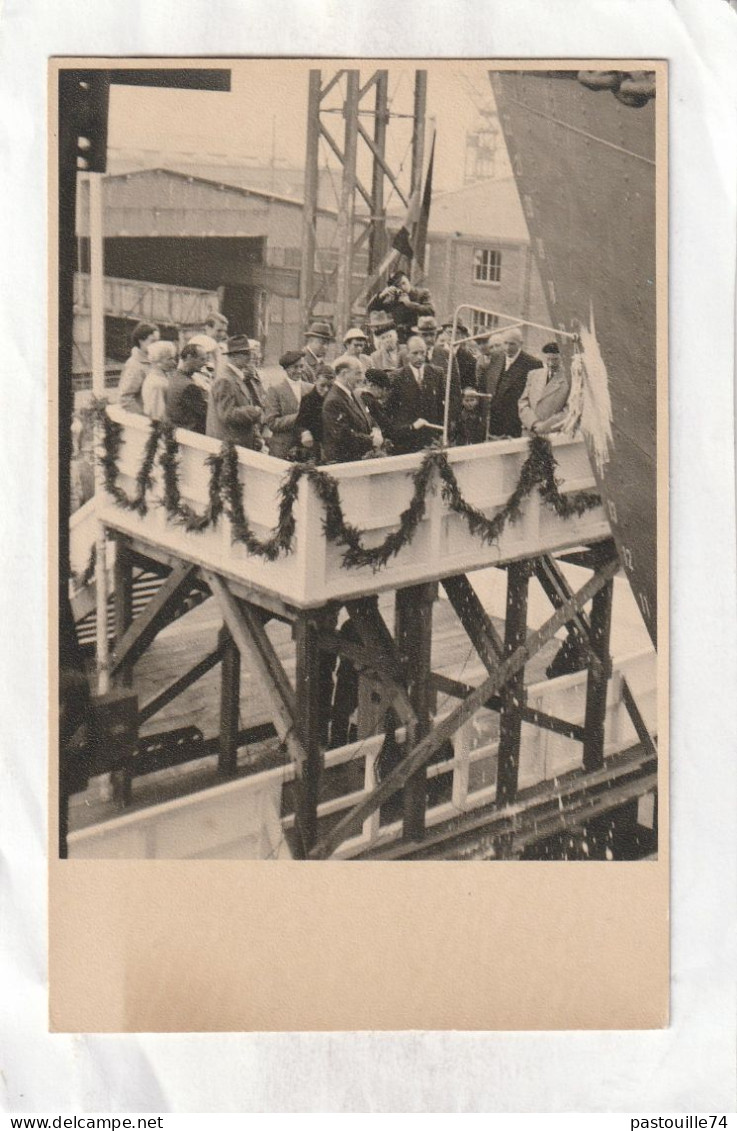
(542, 406)
(355, 344)
(386, 347)
(235, 404)
(317, 339)
(282, 403)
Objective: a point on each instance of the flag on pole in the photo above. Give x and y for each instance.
(411, 238)
(419, 240)
(409, 242)
(402, 243)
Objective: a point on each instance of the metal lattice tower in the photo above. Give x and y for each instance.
(365, 226)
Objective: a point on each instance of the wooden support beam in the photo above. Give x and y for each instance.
(377, 242)
(121, 781)
(475, 620)
(248, 632)
(598, 679)
(309, 724)
(325, 90)
(637, 720)
(230, 696)
(445, 729)
(309, 207)
(414, 607)
(379, 159)
(513, 691)
(325, 132)
(370, 660)
(123, 601)
(557, 590)
(376, 637)
(155, 616)
(529, 714)
(346, 212)
(158, 702)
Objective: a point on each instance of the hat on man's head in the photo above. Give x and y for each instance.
(551, 347)
(353, 335)
(239, 343)
(380, 321)
(291, 357)
(378, 377)
(204, 341)
(320, 330)
(461, 330)
(426, 324)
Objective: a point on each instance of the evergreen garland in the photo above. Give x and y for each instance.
(179, 512)
(226, 496)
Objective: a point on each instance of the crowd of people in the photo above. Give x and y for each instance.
(384, 393)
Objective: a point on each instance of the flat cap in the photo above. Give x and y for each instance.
(291, 357)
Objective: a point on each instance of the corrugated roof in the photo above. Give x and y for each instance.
(239, 190)
(490, 208)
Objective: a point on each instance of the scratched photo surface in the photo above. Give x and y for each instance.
(362, 531)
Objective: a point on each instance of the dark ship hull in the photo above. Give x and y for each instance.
(584, 163)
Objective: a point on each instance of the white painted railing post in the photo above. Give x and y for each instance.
(97, 344)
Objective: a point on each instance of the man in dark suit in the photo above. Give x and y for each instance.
(348, 433)
(503, 412)
(416, 401)
(317, 339)
(235, 406)
(186, 404)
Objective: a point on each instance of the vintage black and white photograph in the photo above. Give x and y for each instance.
(362, 408)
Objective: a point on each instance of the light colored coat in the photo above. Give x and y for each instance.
(281, 408)
(153, 393)
(132, 376)
(543, 400)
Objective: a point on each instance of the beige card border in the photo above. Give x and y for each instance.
(205, 946)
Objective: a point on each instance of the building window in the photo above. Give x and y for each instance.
(483, 321)
(487, 265)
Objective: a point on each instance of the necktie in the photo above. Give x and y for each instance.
(364, 410)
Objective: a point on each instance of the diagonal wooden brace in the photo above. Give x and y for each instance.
(557, 590)
(164, 697)
(381, 651)
(647, 740)
(364, 659)
(475, 620)
(154, 617)
(425, 749)
(250, 636)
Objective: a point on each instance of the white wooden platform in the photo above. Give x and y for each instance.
(373, 495)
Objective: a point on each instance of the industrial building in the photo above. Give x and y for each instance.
(178, 245)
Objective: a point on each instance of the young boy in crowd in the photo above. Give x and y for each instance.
(470, 427)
